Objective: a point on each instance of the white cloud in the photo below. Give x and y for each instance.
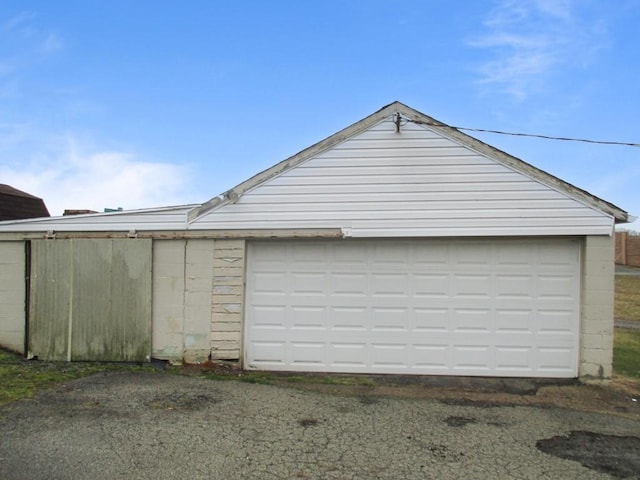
(65, 171)
(529, 40)
(76, 178)
(51, 43)
(18, 21)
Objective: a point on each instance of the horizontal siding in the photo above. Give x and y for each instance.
(416, 183)
(172, 218)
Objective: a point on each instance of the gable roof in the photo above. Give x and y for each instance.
(425, 180)
(408, 114)
(16, 204)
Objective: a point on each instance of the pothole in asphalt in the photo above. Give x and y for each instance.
(455, 421)
(443, 452)
(308, 422)
(368, 400)
(182, 401)
(616, 455)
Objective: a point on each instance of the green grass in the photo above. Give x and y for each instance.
(20, 378)
(329, 380)
(267, 378)
(627, 298)
(626, 353)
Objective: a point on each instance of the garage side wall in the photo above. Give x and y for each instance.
(228, 299)
(197, 299)
(182, 286)
(596, 339)
(168, 299)
(12, 295)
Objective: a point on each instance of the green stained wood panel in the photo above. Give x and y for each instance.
(112, 300)
(95, 293)
(50, 305)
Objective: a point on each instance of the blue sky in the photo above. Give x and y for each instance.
(150, 103)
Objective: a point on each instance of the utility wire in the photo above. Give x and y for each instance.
(515, 134)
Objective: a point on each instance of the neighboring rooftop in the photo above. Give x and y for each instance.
(16, 204)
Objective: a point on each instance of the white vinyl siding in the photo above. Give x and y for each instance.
(429, 307)
(416, 183)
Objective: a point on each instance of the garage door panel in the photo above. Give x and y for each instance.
(390, 284)
(348, 284)
(513, 286)
(312, 354)
(308, 317)
(482, 307)
(471, 320)
(304, 283)
(438, 255)
(430, 319)
(430, 285)
(553, 359)
(553, 321)
(389, 355)
(513, 358)
(556, 255)
(472, 358)
(270, 283)
(268, 354)
(513, 321)
(472, 254)
(348, 356)
(268, 316)
(385, 319)
(472, 286)
(511, 255)
(430, 358)
(349, 318)
(349, 253)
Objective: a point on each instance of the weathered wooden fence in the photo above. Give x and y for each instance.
(627, 249)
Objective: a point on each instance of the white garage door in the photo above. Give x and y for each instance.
(476, 307)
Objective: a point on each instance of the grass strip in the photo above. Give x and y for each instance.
(626, 353)
(627, 298)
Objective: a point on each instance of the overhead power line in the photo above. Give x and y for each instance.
(533, 135)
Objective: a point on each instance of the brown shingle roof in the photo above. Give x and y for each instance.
(16, 204)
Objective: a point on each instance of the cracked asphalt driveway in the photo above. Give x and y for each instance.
(150, 426)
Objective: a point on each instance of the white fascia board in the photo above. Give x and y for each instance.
(106, 220)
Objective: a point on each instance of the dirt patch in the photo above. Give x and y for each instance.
(308, 422)
(182, 401)
(455, 421)
(615, 455)
(368, 399)
(443, 452)
(621, 397)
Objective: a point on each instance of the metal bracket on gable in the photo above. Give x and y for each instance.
(398, 121)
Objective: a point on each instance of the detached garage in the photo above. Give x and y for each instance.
(399, 245)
